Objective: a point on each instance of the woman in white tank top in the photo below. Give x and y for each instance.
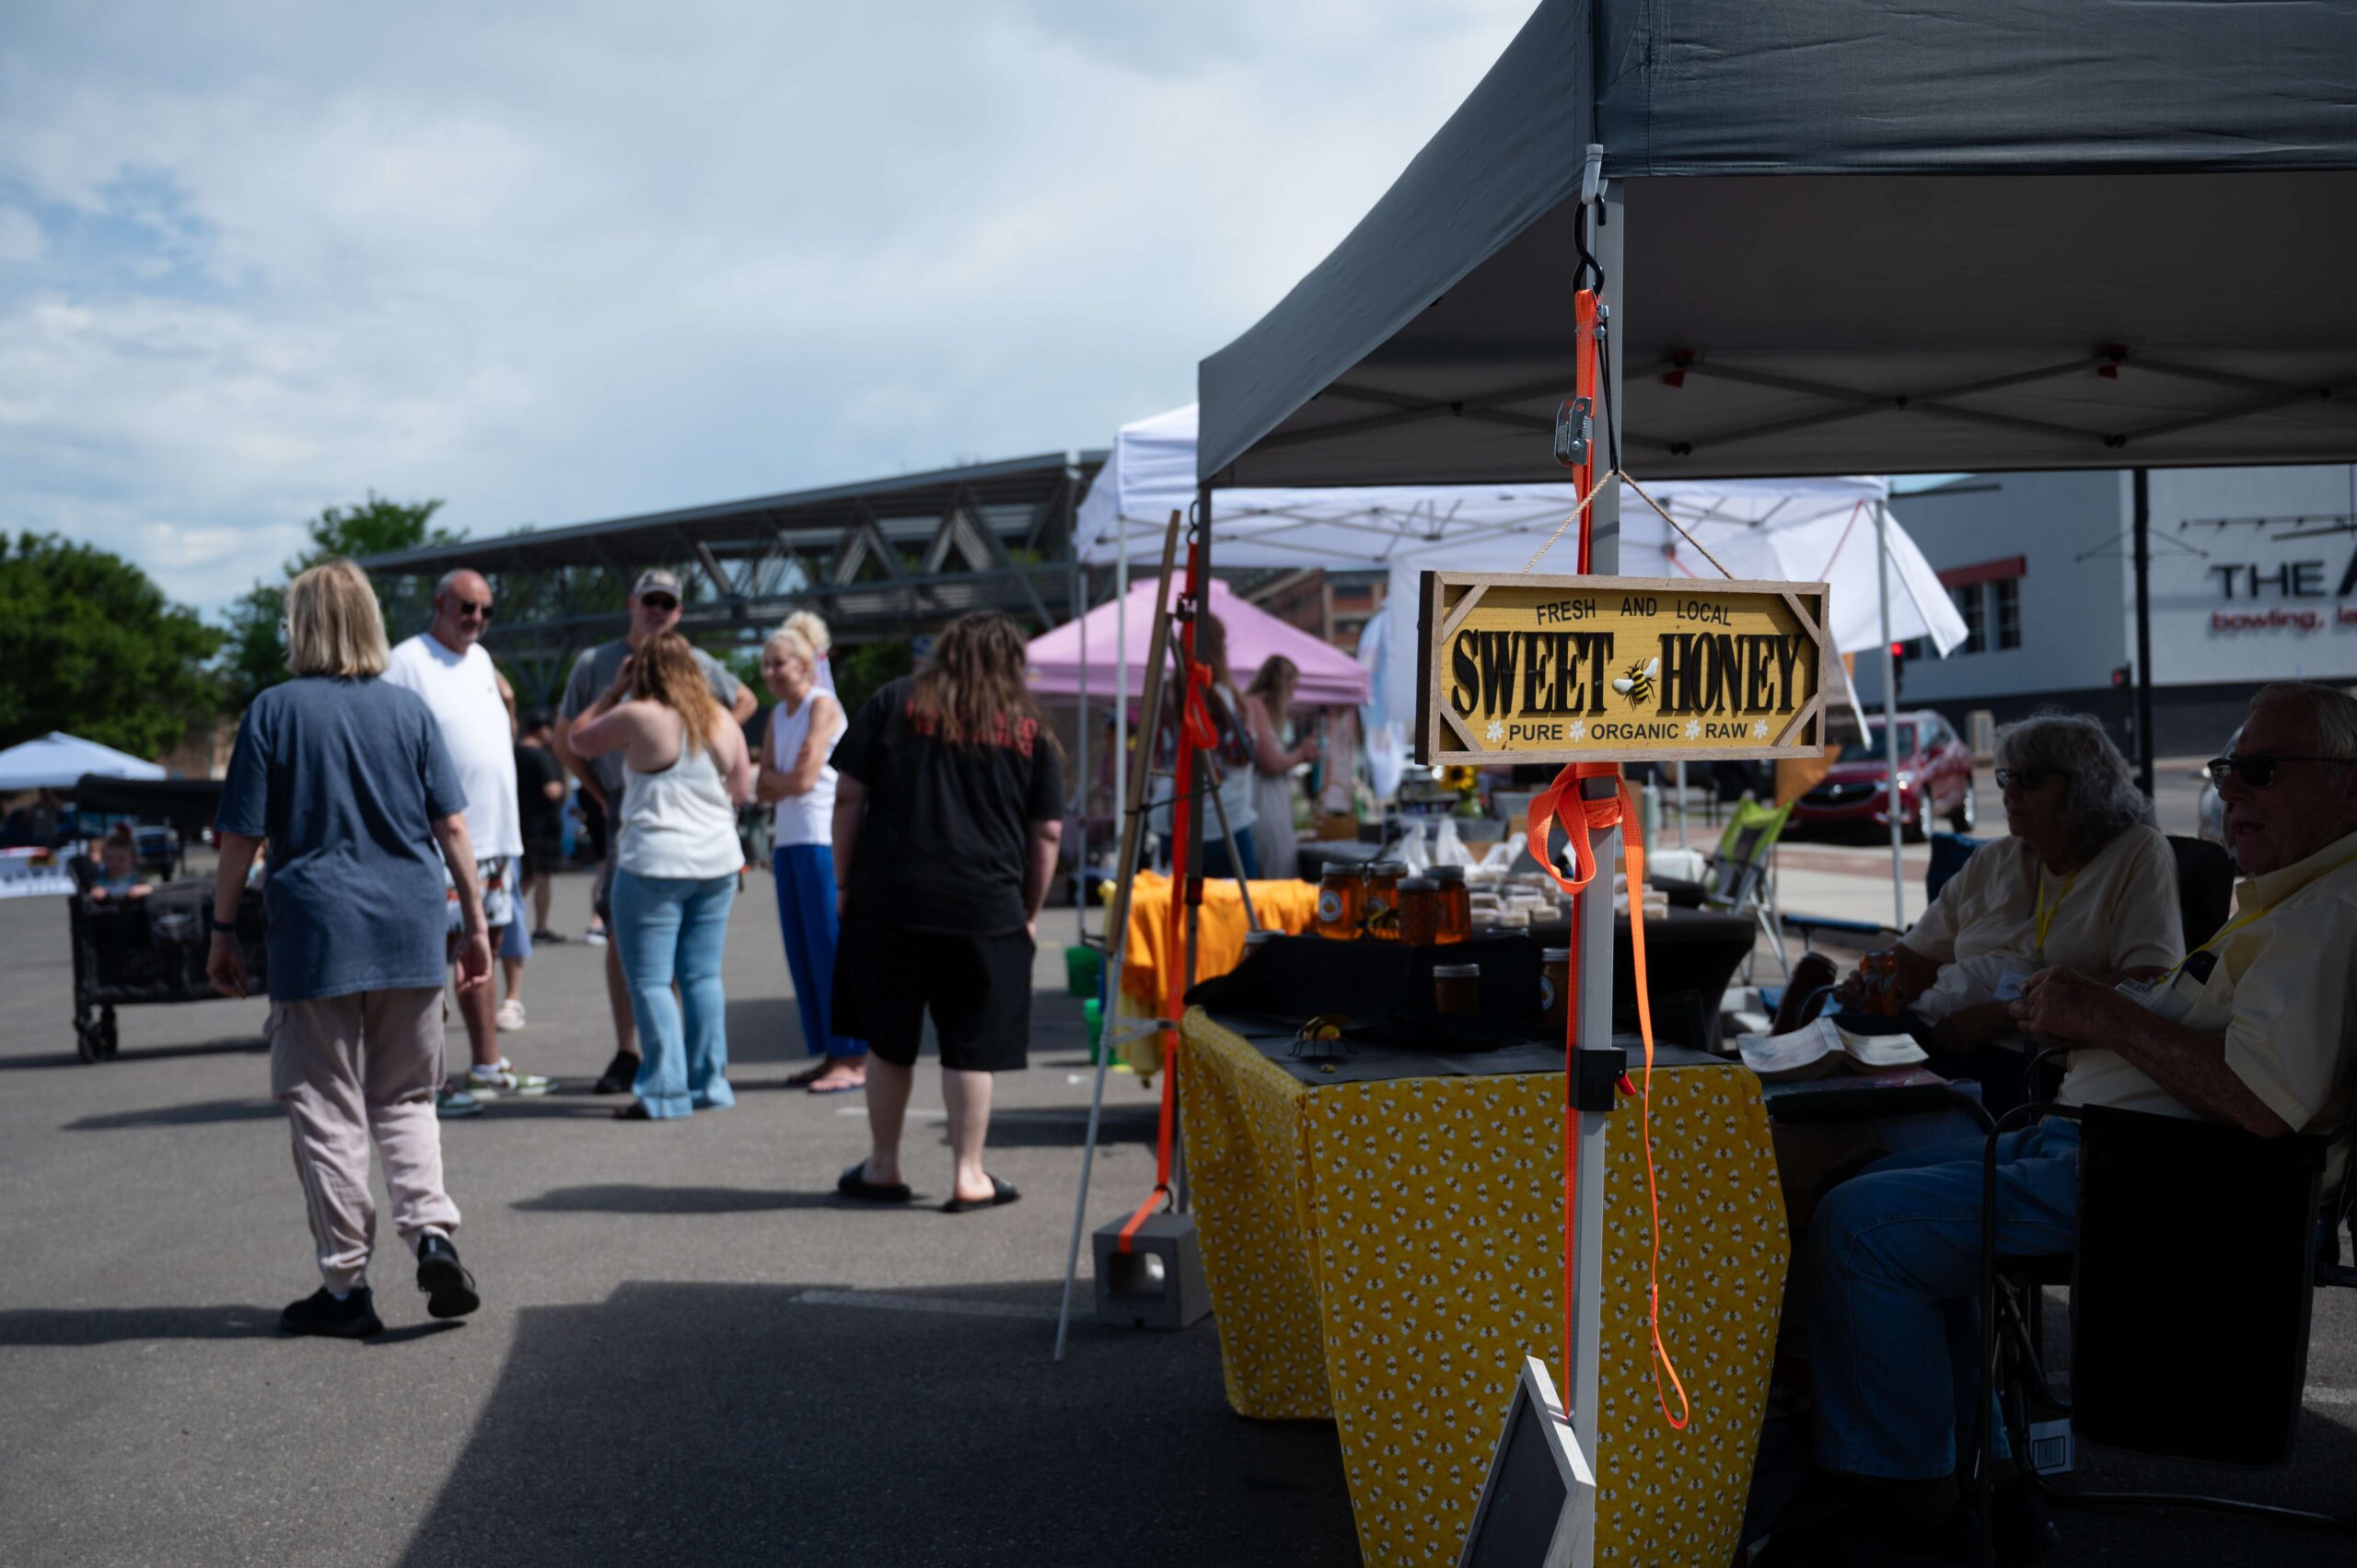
(797, 778)
(675, 868)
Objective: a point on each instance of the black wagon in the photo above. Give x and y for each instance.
(130, 952)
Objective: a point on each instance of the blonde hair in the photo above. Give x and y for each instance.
(332, 624)
(666, 671)
(805, 624)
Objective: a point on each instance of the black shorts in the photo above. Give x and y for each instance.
(978, 988)
(542, 856)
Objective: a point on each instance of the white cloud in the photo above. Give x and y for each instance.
(560, 268)
(20, 236)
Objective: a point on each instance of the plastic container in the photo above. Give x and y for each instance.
(1456, 988)
(1094, 1011)
(1083, 968)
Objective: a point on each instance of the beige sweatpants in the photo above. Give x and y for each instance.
(350, 1069)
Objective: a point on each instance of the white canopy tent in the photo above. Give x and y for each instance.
(57, 759)
(1790, 529)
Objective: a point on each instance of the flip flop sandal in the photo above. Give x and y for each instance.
(854, 1085)
(855, 1184)
(808, 1076)
(1001, 1193)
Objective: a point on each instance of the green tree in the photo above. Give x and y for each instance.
(256, 653)
(91, 646)
(862, 671)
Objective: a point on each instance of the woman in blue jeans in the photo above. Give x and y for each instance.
(797, 781)
(685, 771)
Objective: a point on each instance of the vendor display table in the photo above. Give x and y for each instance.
(1384, 1248)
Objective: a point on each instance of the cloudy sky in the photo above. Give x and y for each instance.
(556, 262)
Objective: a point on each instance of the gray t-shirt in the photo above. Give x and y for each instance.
(345, 778)
(594, 671)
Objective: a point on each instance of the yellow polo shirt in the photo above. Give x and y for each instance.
(2283, 991)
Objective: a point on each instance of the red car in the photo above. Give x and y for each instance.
(1935, 780)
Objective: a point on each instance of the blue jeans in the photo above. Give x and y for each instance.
(1894, 1261)
(805, 915)
(673, 928)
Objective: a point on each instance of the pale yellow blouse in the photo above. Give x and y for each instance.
(2116, 913)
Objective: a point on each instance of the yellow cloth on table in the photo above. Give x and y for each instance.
(1148, 959)
(1388, 1252)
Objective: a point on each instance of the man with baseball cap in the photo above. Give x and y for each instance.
(654, 609)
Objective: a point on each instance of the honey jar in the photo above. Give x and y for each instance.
(1420, 911)
(1456, 904)
(1554, 985)
(1456, 988)
(1379, 900)
(1338, 904)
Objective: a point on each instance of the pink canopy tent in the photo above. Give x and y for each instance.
(1328, 675)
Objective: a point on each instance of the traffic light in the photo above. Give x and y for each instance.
(2123, 676)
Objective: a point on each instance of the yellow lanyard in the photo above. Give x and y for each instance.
(2046, 910)
(2236, 924)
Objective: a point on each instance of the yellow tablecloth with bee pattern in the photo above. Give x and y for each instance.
(1386, 1253)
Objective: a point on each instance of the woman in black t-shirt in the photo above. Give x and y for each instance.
(948, 812)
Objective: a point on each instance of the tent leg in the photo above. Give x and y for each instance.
(2142, 526)
(1890, 722)
(1112, 990)
(1080, 840)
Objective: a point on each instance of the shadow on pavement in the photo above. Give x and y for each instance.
(1066, 1128)
(735, 1424)
(138, 1053)
(623, 1199)
(195, 1114)
(113, 1325)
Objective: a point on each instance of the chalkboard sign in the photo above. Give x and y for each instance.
(1537, 1508)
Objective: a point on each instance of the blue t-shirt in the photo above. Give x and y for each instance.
(345, 778)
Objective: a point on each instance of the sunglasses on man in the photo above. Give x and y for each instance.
(663, 602)
(2257, 772)
(467, 607)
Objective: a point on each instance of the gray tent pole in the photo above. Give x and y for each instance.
(1080, 840)
(2144, 532)
(1890, 721)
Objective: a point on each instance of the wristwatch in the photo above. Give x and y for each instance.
(214, 923)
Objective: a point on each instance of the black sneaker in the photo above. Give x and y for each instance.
(449, 1289)
(353, 1318)
(622, 1075)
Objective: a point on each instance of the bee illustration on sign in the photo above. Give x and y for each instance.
(1638, 684)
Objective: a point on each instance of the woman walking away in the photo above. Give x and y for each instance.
(346, 776)
(686, 772)
(799, 781)
(947, 815)
(1266, 704)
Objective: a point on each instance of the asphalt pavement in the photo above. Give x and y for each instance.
(691, 1350)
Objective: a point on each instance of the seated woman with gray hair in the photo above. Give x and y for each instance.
(2084, 881)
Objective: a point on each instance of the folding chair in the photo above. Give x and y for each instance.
(1736, 879)
(2200, 1251)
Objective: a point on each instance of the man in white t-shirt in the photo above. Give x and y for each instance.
(446, 665)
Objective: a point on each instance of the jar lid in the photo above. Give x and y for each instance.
(1449, 873)
(1456, 972)
(1554, 955)
(1347, 873)
(1419, 885)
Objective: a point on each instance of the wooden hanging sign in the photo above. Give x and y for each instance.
(1522, 669)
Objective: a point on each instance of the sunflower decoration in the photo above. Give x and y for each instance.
(1461, 778)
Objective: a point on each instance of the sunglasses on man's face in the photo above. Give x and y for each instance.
(2021, 778)
(2257, 772)
(662, 603)
(467, 607)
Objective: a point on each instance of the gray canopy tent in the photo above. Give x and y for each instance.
(1836, 236)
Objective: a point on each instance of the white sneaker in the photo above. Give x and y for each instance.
(489, 1083)
(510, 1015)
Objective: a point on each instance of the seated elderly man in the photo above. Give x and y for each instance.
(2256, 1028)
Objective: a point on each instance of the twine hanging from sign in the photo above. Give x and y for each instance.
(1580, 516)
